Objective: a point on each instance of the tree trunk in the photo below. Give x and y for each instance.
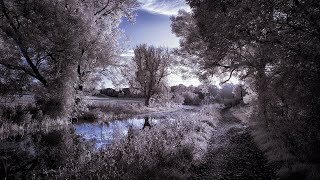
(147, 101)
(262, 93)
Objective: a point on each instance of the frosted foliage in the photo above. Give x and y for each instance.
(147, 71)
(59, 43)
(172, 147)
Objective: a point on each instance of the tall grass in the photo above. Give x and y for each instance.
(167, 150)
(20, 120)
(278, 138)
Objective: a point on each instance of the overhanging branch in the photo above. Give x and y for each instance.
(230, 75)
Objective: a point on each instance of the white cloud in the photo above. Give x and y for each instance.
(164, 7)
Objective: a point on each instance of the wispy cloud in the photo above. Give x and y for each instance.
(164, 7)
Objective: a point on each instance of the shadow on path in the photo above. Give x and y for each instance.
(232, 154)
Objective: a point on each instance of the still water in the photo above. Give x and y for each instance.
(103, 133)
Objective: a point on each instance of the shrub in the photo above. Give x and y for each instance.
(191, 98)
(177, 98)
(16, 114)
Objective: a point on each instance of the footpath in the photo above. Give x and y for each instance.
(233, 155)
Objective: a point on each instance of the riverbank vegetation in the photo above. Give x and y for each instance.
(165, 151)
(53, 55)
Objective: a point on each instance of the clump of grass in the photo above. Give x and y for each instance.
(108, 112)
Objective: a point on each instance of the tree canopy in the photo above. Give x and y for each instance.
(272, 45)
(58, 43)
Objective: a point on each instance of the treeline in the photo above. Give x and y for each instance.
(274, 46)
(229, 94)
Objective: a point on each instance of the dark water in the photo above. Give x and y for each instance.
(103, 133)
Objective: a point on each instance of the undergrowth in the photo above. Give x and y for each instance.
(168, 150)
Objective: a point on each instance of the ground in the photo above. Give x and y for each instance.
(232, 154)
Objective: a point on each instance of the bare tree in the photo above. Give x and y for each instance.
(151, 66)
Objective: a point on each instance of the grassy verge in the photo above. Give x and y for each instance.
(168, 150)
(20, 120)
(280, 151)
(242, 113)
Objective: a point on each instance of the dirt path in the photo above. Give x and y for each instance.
(232, 154)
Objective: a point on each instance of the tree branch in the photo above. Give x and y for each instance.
(230, 75)
(96, 13)
(17, 37)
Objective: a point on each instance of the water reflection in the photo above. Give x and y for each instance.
(104, 133)
(146, 122)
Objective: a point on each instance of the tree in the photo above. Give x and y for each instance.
(58, 43)
(274, 45)
(191, 43)
(151, 65)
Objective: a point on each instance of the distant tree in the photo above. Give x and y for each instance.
(150, 69)
(178, 98)
(178, 88)
(191, 98)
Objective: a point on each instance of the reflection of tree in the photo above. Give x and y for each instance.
(146, 123)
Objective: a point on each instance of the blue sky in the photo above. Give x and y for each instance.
(152, 26)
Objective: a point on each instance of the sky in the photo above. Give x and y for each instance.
(152, 26)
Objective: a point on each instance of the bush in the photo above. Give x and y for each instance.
(177, 98)
(17, 114)
(51, 107)
(191, 99)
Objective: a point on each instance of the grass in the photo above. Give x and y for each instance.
(242, 113)
(168, 150)
(20, 120)
(271, 136)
